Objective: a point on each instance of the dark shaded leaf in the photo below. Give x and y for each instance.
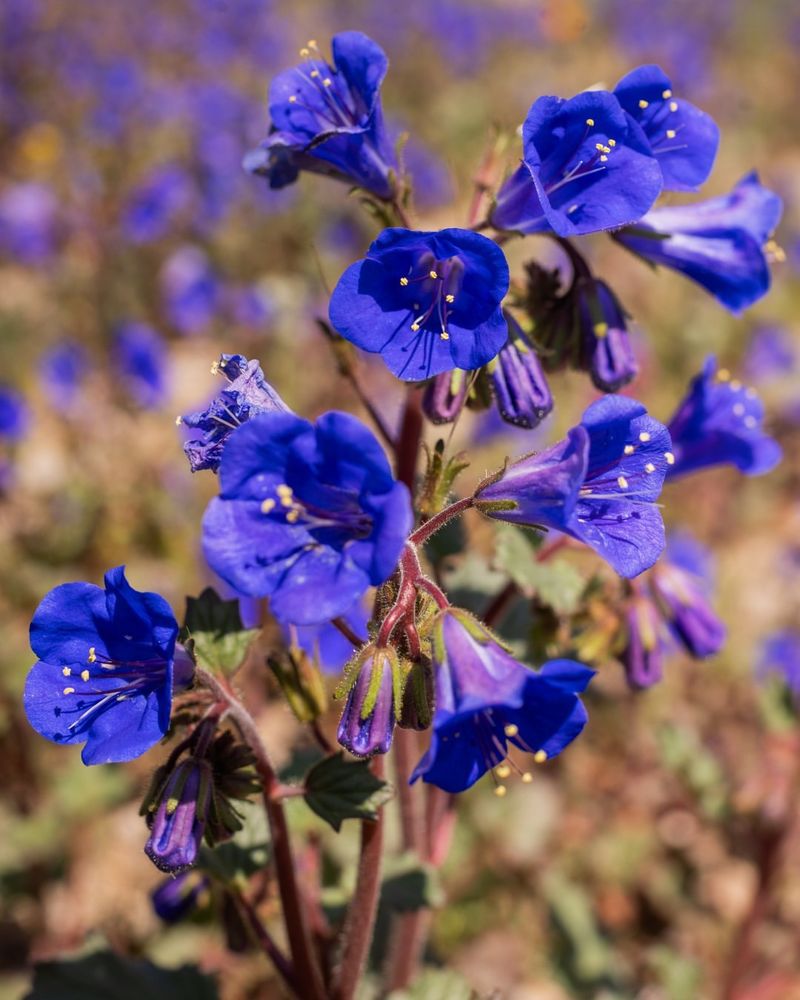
(215, 627)
(339, 789)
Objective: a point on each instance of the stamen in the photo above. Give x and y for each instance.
(540, 756)
(267, 506)
(671, 133)
(644, 437)
(432, 274)
(92, 654)
(450, 298)
(738, 409)
(673, 105)
(666, 94)
(85, 675)
(500, 791)
(178, 421)
(669, 457)
(644, 104)
(66, 671)
(649, 468)
(404, 282)
(511, 730)
(590, 122)
(629, 449)
(69, 690)
(623, 482)
(503, 770)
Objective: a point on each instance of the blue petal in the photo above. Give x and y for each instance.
(350, 455)
(140, 625)
(362, 62)
(569, 675)
(318, 586)
(393, 520)
(628, 535)
(65, 625)
(255, 457)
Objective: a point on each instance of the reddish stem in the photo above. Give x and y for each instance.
(433, 524)
(410, 437)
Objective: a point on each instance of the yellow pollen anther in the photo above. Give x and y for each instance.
(415, 327)
(644, 104)
(85, 675)
(66, 671)
(540, 756)
(585, 491)
(612, 142)
(404, 282)
(92, 654)
(599, 146)
(450, 298)
(600, 329)
(502, 770)
(283, 490)
(622, 482)
(69, 690)
(673, 105)
(500, 791)
(312, 43)
(287, 502)
(644, 437)
(527, 777)
(304, 53)
(603, 158)
(629, 449)
(649, 467)
(666, 94)
(736, 385)
(750, 421)
(292, 516)
(315, 73)
(292, 99)
(215, 368)
(432, 274)
(669, 457)
(723, 375)
(739, 409)
(671, 133)
(327, 82)
(444, 335)
(267, 506)
(178, 421)
(511, 730)
(590, 122)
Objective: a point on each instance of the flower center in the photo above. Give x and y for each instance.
(321, 94)
(433, 285)
(347, 520)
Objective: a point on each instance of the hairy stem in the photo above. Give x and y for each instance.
(410, 437)
(265, 942)
(360, 921)
(433, 524)
(304, 960)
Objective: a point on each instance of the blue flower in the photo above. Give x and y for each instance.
(247, 394)
(107, 668)
(681, 585)
(14, 414)
(140, 358)
(179, 821)
(155, 204)
(426, 302)
(683, 138)
(605, 347)
(308, 515)
(780, 654)
(720, 423)
(328, 119)
(62, 369)
(723, 244)
(373, 702)
(587, 166)
(599, 485)
(191, 291)
(486, 701)
(519, 386)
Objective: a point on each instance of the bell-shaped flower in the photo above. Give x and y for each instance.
(599, 485)
(108, 666)
(720, 422)
(328, 119)
(724, 244)
(487, 703)
(683, 138)
(587, 166)
(247, 394)
(426, 302)
(308, 515)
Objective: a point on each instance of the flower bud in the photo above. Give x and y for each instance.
(643, 654)
(518, 383)
(370, 713)
(179, 821)
(445, 395)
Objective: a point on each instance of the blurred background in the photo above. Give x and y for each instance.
(134, 249)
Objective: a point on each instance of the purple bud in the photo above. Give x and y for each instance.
(518, 382)
(175, 898)
(643, 655)
(607, 350)
(180, 819)
(445, 395)
(686, 608)
(368, 719)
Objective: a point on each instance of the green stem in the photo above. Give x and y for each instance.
(304, 960)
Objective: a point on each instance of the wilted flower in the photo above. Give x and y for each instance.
(247, 394)
(426, 302)
(108, 666)
(600, 485)
(308, 515)
(486, 701)
(720, 423)
(587, 166)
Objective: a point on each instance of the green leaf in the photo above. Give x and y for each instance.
(106, 976)
(409, 884)
(556, 582)
(215, 627)
(338, 789)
